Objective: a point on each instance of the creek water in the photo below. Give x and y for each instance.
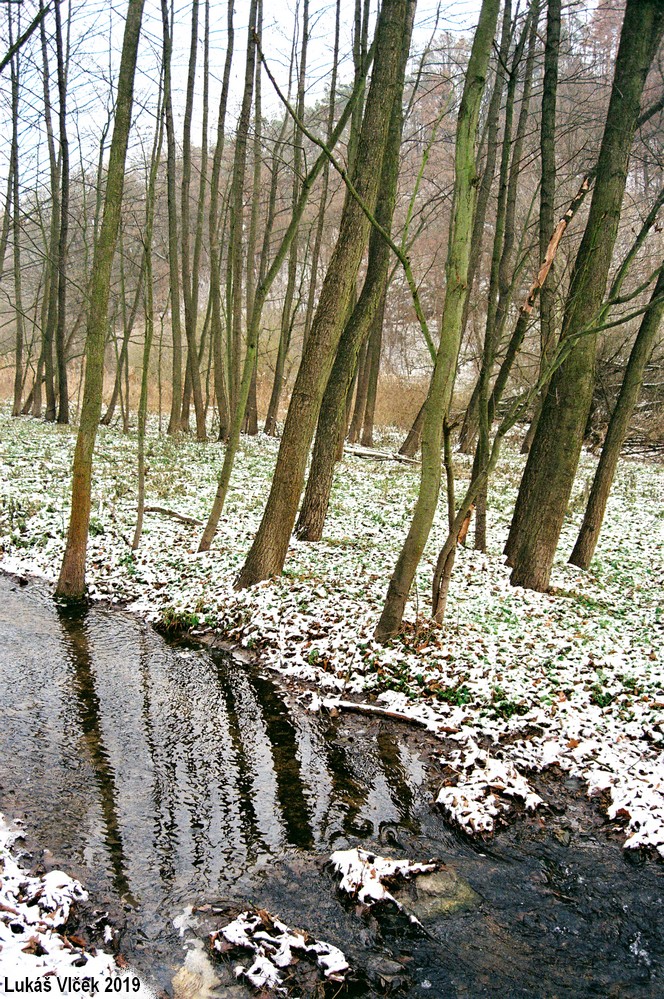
(165, 776)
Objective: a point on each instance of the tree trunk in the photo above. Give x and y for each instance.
(235, 265)
(63, 236)
(51, 285)
(288, 311)
(502, 265)
(267, 280)
(469, 426)
(442, 380)
(149, 317)
(190, 277)
(375, 344)
(586, 542)
(16, 233)
(553, 459)
(124, 349)
(173, 252)
(270, 546)
(333, 418)
(547, 197)
(71, 583)
(214, 226)
(318, 238)
(361, 392)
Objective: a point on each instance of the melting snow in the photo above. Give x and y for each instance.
(275, 947)
(574, 677)
(363, 873)
(33, 914)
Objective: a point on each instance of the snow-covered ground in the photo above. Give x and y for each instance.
(515, 680)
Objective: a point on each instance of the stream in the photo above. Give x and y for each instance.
(165, 776)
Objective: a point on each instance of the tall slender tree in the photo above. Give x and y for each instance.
(586, 542)
(456, 290)
(173, 247)
(547, 194)
(71, 582)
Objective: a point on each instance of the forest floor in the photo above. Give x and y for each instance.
(515, 681)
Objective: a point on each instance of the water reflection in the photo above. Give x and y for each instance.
(166, 776)
(180, 769)
(79, 658)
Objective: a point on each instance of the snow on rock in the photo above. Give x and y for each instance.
(276, 946)
(33, 914)
(363, 874)
(478, 799)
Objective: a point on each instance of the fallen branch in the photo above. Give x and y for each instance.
(373, 709)
(367, 452)
(182, 517)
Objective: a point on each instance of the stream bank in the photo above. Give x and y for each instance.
(180, 785)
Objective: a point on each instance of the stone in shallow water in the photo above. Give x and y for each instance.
(442, 893)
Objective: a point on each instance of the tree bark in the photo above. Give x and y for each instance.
(268, 552)
(71, 582)
(173, 253)
(288, 311)
(442, 380)
(553, 459)
(586, 542)
(547, 196)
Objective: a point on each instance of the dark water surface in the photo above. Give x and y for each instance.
(164, 776)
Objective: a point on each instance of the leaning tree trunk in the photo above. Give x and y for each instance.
(214, 226)
(71, 582)
(586, 542)
(268, 552)
(553, 459)
(442, 380)
(500, 294)
(468, 427)
(333, 420)
(267, 280)
(320, 222)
